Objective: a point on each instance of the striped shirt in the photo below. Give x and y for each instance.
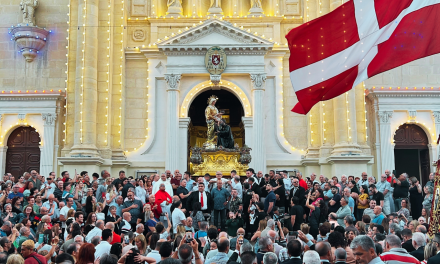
(398, 256)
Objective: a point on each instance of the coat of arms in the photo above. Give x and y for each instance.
(215, 60)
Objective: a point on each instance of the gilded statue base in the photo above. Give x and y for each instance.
(220, 159)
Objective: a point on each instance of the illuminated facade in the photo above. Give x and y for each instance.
(119, 79)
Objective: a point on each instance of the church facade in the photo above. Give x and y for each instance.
(121, 85)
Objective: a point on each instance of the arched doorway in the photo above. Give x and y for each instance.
(411, 153)
(23, 152)
(228, 103)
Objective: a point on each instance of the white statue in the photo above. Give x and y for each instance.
(215, 3)
(256, 4)
(28, 8)
(174, 3)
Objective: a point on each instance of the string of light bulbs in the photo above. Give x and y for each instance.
(348, 117)
(108, 72)
(121, 75)
(67, 75)
(82, 71)
(323, 123)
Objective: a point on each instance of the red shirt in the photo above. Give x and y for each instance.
(389, 179)
(303, 184)
(175, 182)
(116, 238)
(31, 260)
(157, 212)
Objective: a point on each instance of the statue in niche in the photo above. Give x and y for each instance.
(28, 8)
(215, 3)
(256, 4)
(174, 3)
(225, 138)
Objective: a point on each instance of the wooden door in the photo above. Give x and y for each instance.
(23, 154)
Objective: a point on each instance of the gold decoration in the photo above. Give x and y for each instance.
(215, 60)
(212, 98)
(435, 208)
(223, 161)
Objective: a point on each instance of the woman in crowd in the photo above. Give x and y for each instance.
(28, 223)
(256, 237)
(140, 191)
(413, 225)
(337, 240)
(141, 244)
(315, 214)
(28, 213)
(16, 205)
(386, 225)
(425, 214)
(280, 193)
(152, 222)
(8, 214)
(38, 203)
(82, 192)
(427, 201)
(404, 208)
(111, 194)
(99, 211)
(27, 189)
(21, 183)
(149, 186)
(90, 201)
(415, 197)
(350, 235)
(363, 201)
(90, 223)
(197, 215)
(360, 226)
(86, 254)
(430, 251)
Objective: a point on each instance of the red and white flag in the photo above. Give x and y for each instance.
(361, 38)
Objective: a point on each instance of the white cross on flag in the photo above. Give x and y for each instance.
(361, 38)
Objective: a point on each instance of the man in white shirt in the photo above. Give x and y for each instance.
(139, 230)
(204, 198)
(97, 231)
(178, 216)
(51, 206)
(236, 184)
(155, 252)
(50, 186)
(168, 187)
(65, 210)
(104, 247)
(125, 224)
(218, 177)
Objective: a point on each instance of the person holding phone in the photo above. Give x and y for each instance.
(234, 222)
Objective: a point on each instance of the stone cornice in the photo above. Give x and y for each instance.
(377, 93)
(31, 97)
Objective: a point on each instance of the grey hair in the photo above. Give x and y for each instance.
(270, 258)
(7, 223)
(103, 172)
(395, 227)
(99, 223)
(264, 243)
(393, 241)
(78, 236)
(270, 223)
(107, 259)
(311, 257)
(349, 219)
(419, 239)
(95, 240)
(430, 189)
(139, 226)
(363, 241)
(112, 207)
(340, 254)
(203, 225)
(246, 247)
(23, 230)
(405, 174)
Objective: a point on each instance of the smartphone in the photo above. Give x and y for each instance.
(394, 173)
(46, 239)
(188, 237)
(126, 240)
(40, 239)
(42, 186)
(240, 239)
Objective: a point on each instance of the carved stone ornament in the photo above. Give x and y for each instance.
(49, 119)
(174, 8)
(258, 80)
(21, 118)
(215, 8)
(173, 80)
(385, 116)
(256, 8)
(28, 9)
(139, 34)
(436, 115)
(215, 60)
(412, 115)
(215, 79)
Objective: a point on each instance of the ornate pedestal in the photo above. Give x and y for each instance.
(219, 159)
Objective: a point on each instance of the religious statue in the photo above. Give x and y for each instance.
(212, 116)
(256, 4)
(28, 8)
(224, 135)
(215, 3)
(174, 3)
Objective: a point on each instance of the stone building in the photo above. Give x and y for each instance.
(122, 84)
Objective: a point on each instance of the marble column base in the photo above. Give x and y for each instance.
(174, 11)
(256, 11)
(215, 11)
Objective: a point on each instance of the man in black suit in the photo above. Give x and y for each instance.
(298, 191)
(294, 250)
(435, 259)
(407, 240)
(254, 186)
(203, 197)
(418, 241)
(340, 256)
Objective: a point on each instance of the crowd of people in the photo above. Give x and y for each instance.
(175, 218)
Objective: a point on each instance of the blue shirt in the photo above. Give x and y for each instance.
(189, 185)
(220, 197)
(269, 198)
(378, 219)
(219, 258)
(328, 193)
(351, 205)
(118, 208)
(13, 195)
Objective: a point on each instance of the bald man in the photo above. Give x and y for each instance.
(125, 224)
(240, 232)
(212, 253)
(221, 254)
(116, 237)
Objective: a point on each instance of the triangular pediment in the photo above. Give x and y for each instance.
(214, 32)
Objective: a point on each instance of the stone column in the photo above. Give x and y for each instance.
(48, 148)
(258, 149)
(436, 116)
(386, 144)
(183, 143)
(340, 124)
(86, 82)
(172, 154)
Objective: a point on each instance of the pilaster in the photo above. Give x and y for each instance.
(258, 150)
(183, 143)
(172, 130)
(436, 117)
(47, 149)
(386, 143)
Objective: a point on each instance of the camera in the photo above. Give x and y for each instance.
(240, 239)
(126, 240)
(188, 237)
